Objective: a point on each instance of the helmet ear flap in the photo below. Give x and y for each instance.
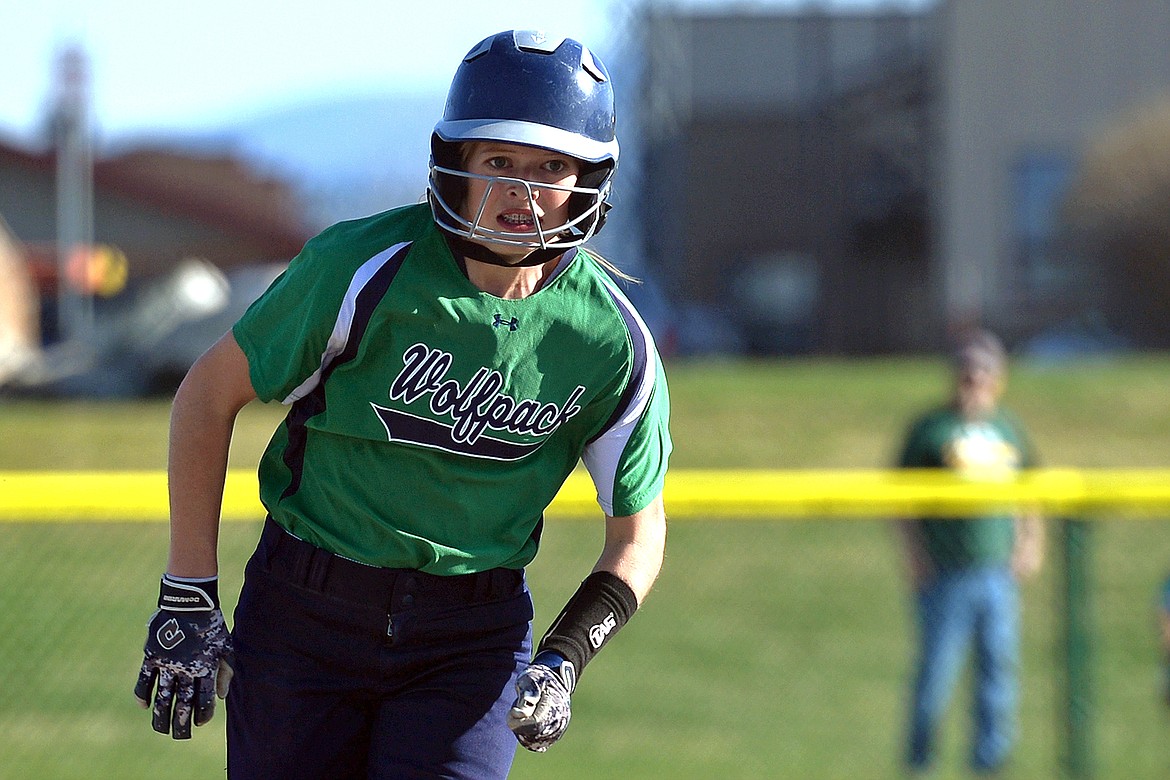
(595, 177)
(451, 190)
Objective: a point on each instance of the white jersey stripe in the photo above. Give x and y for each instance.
(341, 326)
(602, 455)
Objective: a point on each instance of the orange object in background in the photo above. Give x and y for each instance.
(97, 270)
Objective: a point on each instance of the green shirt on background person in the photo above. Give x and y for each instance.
(991, 448)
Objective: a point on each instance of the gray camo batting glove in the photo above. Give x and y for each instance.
(187, 654)
(540, 714)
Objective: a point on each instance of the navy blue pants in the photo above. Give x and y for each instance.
(349, 671)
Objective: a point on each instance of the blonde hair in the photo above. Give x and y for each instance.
(609, 266)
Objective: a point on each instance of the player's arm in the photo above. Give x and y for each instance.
(626, 570)
(1028, 550)
(634, 548)
(917, 560)
(188, 647)
(203, 416)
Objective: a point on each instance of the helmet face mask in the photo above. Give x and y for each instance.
(580, 227)
(521, 87)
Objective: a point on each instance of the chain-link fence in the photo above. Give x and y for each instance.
(771, 647)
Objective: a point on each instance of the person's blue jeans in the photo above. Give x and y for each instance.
(973, 610)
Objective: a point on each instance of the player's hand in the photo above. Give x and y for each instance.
(540, 714)
(187, 658)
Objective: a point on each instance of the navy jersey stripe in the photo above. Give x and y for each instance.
(639, 339)
(364, 300)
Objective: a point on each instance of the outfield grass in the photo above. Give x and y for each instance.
(769, 649)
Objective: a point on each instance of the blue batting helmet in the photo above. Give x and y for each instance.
(525, 88)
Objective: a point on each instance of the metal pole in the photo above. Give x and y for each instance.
(74, 157)
(1078, 759)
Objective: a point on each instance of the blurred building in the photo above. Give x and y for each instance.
(857, 182)
(89, 224)
(181, 244)
(120, 270)
(159, 206)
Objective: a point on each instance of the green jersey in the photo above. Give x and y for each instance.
(978, 449)
(432, 423)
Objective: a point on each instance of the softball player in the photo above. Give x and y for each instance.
(446, 366)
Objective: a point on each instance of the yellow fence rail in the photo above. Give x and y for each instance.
(142, 495)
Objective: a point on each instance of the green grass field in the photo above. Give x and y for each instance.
(769, 649)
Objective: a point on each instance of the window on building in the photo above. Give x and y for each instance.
(1046, 271)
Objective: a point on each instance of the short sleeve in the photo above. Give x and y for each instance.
(285, 331)
(628, 460)
(914, 452)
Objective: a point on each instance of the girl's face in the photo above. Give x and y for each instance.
(508, 207)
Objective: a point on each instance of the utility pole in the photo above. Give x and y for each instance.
(73, 145)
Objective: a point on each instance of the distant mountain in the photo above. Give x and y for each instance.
(351, 156)
(346, 157)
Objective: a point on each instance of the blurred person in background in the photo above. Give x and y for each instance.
(447, 365)
(965, 571)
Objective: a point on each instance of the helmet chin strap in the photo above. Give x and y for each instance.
(475, 251)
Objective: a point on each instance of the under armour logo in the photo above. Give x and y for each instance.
(500, 321)
(169, 635)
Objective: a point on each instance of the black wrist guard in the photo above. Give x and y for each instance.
(602, 605)
(177, 594)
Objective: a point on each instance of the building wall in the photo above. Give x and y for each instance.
(1023, 86)
(227, 218)
(757, 108)
(750, 178)
(156, 238)
(745, 62)
(153, 239)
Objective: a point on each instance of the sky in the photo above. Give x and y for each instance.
(197, 65)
